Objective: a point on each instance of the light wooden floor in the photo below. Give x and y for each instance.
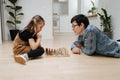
(75, 67)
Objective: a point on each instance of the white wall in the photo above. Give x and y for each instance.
(64, 21)
(61, 8)
(0, 25)
(113, 9)
(56, 7)
(73, 7)
(0, 30)
(0, 33)
(32, 8)
(79, 6)
(44, 8)
(73, 10)
(1, 20)
(87, 5)
(61, 19)
(115, 12)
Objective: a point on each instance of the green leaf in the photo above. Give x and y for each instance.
(17, 21)
(12, 14)
(20, 14)
(90, 11)
(13, 1)
(93, 3)
(99, 14)
(10, 22)
(18, 8)
(105, 20)
(11, 7)
(94, 8)
(104, 11)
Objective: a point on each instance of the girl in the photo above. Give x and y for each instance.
(26, 44)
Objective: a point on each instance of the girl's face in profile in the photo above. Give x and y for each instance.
(39, 27)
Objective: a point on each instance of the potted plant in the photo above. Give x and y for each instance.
(93, 10)
(14, 12)
(106, 22)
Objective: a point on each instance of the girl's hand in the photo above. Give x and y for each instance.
(34, 44)
(39, 35)
(76, 50)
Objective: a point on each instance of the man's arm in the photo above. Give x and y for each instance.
(89, 43)
(78, 40)
(76, 45)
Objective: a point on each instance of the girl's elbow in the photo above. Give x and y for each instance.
(33, 47)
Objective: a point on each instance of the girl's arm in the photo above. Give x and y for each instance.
(35, 44)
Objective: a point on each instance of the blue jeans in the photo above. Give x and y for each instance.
(36, 53)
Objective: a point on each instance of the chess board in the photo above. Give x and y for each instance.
(60, 52)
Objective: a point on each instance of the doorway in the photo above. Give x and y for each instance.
(60, 15)
(63, 11)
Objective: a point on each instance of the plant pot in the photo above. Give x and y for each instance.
(13, 34)
(109, 34)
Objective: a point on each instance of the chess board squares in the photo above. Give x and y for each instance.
(57, 52)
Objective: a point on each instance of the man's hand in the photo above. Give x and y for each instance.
(78, 44)
(76, 50)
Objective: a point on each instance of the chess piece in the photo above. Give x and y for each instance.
(54, 52)
(57, 52)
(46, 51)
(60, 51)
(51, 51)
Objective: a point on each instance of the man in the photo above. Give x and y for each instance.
(91, 40)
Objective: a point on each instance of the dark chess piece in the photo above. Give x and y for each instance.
(46, 51)
(51, 51)
(118, 40)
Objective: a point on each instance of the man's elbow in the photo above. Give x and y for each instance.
(89, 53)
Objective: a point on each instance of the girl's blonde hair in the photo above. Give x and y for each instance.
(34, 22)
